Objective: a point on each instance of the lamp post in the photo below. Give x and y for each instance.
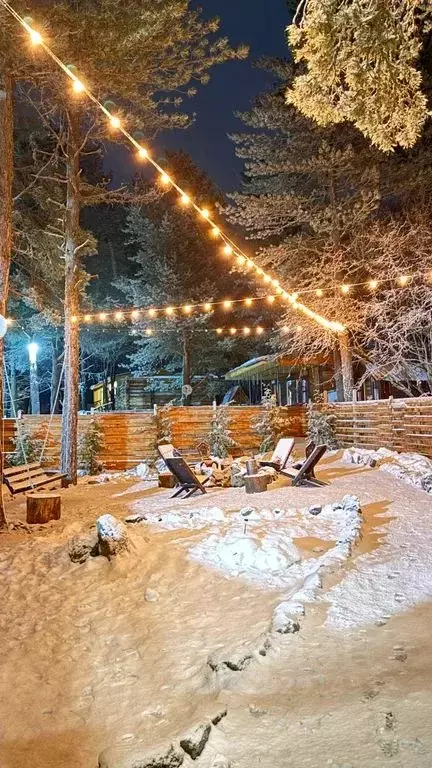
(32, 349)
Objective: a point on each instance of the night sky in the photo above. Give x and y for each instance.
(232, 87)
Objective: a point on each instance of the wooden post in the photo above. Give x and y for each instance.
(256, 483)
(43, 507)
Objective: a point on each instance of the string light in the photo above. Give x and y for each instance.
(78, 86)
(207, 307)
(241, 260)
(270, 299)
(35, 36)
(227, 250)
(74, 319)
(259, 330)
(215, 232)
(185, 199)
(149, 332)
(142, 153)
(373, 285)
(233, 331)
(403, 280)
(115, 122)
(152, 312)
(219, 331)
(227, 304)
(102, 316)
(319, 292)
(135, 314)
(87, 318)
(119, 316)
(267, 279)
(345, 288)
(187, 309)
(248, 302)
(169, 310)
(246, 331)
(165, 179)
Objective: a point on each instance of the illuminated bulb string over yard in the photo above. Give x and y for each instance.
(114, 121)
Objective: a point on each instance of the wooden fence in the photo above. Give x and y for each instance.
(131, 437)
(398, 424)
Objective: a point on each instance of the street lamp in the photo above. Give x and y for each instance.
(32, 349)
(32, 353)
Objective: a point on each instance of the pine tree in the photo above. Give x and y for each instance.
(321, 427)
(270, 425)
(362, 63)
(219, 437)
(90, 445)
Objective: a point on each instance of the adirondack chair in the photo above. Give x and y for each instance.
(29, 477)
(304, 473)
(186, 478)
(281, 454)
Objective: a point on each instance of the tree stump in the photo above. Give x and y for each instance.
(43, 507)
(166, 480)
(256, 483)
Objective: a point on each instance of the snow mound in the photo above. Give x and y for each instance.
(413, 468)
(174, 519)
(239, 553)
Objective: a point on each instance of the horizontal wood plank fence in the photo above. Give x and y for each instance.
(130, 437)
(398, 424)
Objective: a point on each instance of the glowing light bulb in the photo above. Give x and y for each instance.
(233, 331)
(227, 250)
(78, 86)
(248, 302)
(259, 271)
(403, 280)
(285, 295)
(102, 316)
(115, 122)
(259, 330)
(246, 331)
(240, 260)
(74, 319)
(35, 37)
(169, 310)
(205, 213)
(187, 309)
(373, 285)
(219, 331)
(9, 321)
(152, 312)
(135, 314)
(319, 292)
(227, 304)
(87, 318)
(207, 307)
(119, 315)
(267, 279)
(215, 232)
(142, 153)
(285, 329)
(275, 283)
(345, 288)
(295, 296)
(185, 199)
(298, 328)
(149, 332)
(270, 299)
(165, 179)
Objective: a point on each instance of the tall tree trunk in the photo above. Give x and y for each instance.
(55, 376)
(34, 390)
(337, 363)
(13, 404)
(346, 365)
(186, 378)
(69, 458)
(6, 176)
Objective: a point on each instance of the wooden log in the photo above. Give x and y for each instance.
(166, 480)
(256, 483)
(43, 507)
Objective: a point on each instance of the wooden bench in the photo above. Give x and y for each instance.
(28, 477)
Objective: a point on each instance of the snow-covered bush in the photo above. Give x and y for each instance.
(271, 424)
(90, 445)
(28, 449)
(219, 437)
(321, 427)
(163, 424)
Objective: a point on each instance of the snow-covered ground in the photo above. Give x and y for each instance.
(117, 653)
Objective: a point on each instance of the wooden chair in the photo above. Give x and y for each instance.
(281, 454)
(304, 474)
(29, 477)
(186, 478)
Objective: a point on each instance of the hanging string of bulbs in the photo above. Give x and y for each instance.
(229, 247)
(132, 314)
